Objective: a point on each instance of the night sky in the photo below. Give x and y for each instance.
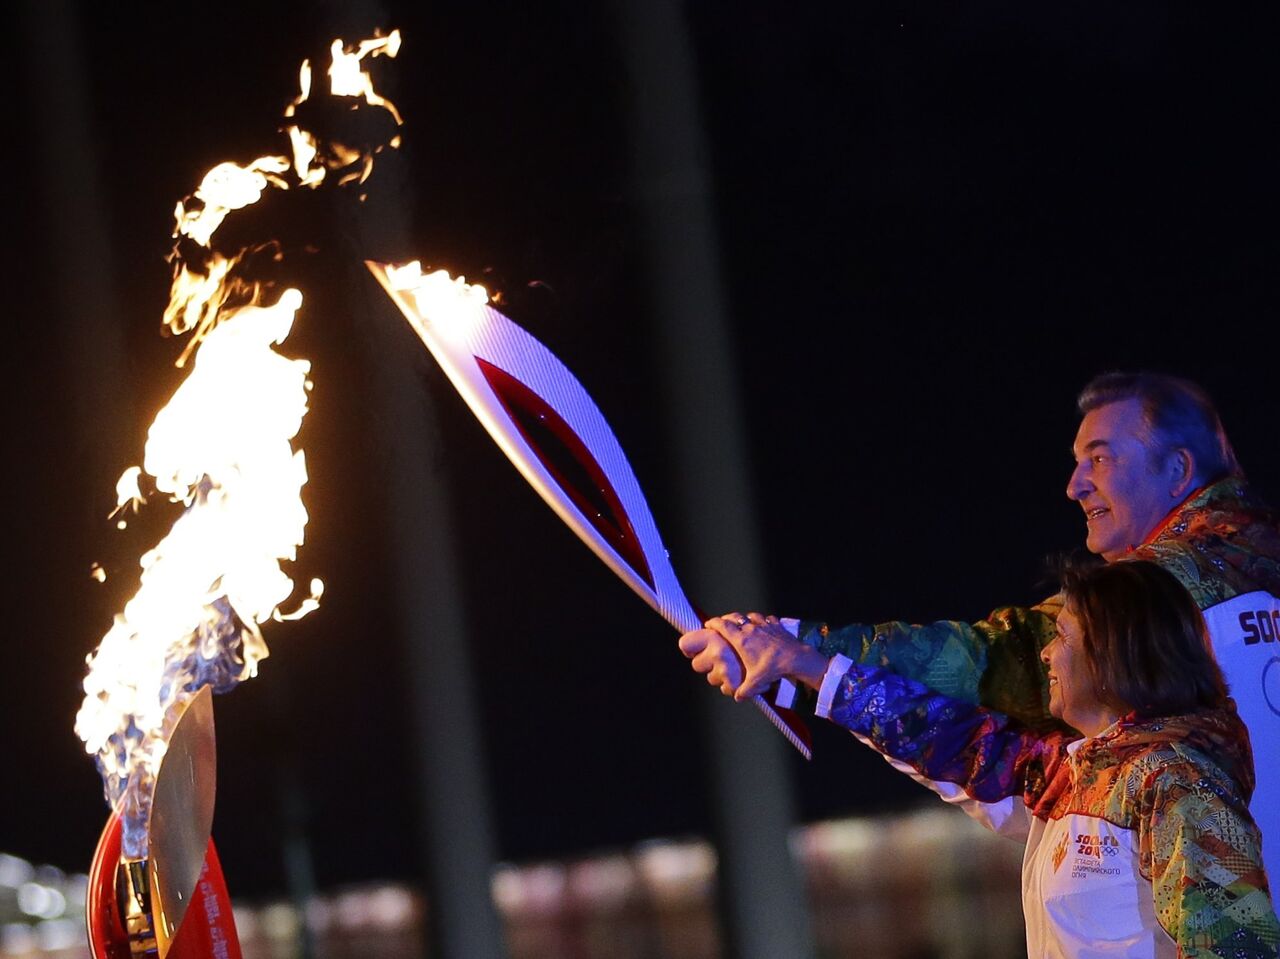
(937, 221)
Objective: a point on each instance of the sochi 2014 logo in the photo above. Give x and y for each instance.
(1271, 684)
(1096, 846)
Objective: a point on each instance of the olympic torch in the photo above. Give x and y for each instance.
(545, 422)
(173, 902)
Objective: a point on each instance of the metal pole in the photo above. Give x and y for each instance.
(761, 894)
(91, 347)
(454, 799)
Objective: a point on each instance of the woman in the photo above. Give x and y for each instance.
(1139, 840)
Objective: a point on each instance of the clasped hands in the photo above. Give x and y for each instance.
(744, 654)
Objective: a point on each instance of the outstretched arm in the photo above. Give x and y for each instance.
(945, 739)
(986, 753)
(995, 661)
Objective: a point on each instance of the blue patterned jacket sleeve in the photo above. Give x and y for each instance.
(947, 740)
(995, 661)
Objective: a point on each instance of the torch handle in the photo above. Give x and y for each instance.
(787, 721)
(208, 928)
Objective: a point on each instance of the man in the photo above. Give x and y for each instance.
(1157, 479)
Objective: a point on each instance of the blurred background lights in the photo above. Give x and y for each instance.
(17, 939)
(673, 870)
(41, 910)
(659, 894)
(56, 935)
(14, 871)
(607, 881)
(279, 922)
(390, 907)
(40, 901)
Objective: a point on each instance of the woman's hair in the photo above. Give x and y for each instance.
(1144, 637)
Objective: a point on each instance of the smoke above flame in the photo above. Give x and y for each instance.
(223, 447)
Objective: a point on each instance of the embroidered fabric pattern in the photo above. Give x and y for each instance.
(1219, 543)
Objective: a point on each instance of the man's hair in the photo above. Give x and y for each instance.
(1177, 412)
(1144, 638)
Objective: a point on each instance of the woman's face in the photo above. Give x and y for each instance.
(1073, 695)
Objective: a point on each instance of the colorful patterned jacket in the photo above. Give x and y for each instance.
(1139, 842)
(1221, 543)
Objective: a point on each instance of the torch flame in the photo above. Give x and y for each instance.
(223, 448)
(437, 294)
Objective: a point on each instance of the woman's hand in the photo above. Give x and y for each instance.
(766, 652)
(711, 655)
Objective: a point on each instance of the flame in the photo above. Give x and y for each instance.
(223, 448)
(305, 150)
(199, 291)
(347, 79)
(437, 294)
(225, 188)
(128, 496)
(304, 89)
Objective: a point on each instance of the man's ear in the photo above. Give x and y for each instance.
(1181, 472)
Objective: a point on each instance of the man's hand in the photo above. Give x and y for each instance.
(712, 655)
(767, 652)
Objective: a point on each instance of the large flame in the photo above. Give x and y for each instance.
(199, 290)
(222, 447)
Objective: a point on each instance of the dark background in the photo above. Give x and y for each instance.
(936, 224)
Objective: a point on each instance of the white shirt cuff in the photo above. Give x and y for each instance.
(786, 697)
(836, 669)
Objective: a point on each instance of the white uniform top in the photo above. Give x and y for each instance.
(1245, 632)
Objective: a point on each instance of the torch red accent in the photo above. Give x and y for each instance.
(208, 929)
(107, 936)
(562, 453)
(794, 720)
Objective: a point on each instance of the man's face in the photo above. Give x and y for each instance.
(1123, 487)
